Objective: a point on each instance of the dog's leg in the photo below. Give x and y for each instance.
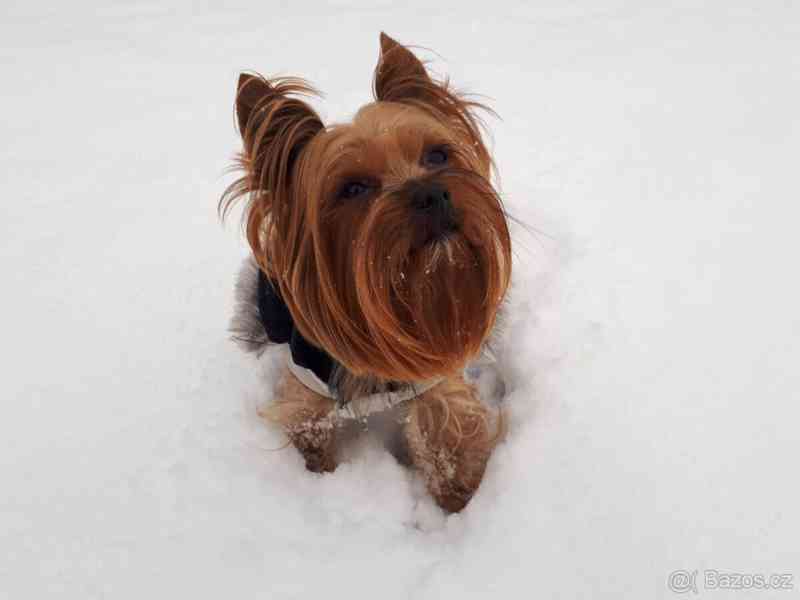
(449, 439)
(305, 417)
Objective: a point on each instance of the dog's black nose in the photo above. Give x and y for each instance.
(432, 198)
(436, 215)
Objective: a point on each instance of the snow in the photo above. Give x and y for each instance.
(651, 354)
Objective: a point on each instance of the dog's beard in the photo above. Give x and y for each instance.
(429, 307)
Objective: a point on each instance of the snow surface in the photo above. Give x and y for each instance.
(651, 358)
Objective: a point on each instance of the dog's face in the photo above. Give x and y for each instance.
(385, 236)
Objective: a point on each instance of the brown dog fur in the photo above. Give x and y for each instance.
(363, 277)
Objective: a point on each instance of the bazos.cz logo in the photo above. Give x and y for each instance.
(682, 581)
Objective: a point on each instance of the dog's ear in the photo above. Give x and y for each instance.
(401, 77)
(250, 90)
(275, 127)
(399, 73)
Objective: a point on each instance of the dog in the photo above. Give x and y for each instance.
(381, 256)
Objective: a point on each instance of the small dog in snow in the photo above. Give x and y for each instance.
(381, 256)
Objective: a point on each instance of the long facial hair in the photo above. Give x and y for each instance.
(428, 309)
(357, 281)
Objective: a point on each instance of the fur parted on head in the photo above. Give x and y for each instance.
(385, 236)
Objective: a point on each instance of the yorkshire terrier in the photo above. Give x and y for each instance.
(381, 256)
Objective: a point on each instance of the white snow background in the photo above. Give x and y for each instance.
(651, 356)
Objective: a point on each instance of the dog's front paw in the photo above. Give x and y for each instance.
(453, 477)
(319, 461)
(315, 440)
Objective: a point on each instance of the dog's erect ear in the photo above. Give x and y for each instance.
(249, 92)
(401, 77)
(399, 73)
(275, 126)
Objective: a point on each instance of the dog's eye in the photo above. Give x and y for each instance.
(435, 157)
(353, 189)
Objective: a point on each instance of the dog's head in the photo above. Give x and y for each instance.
(385, 236)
